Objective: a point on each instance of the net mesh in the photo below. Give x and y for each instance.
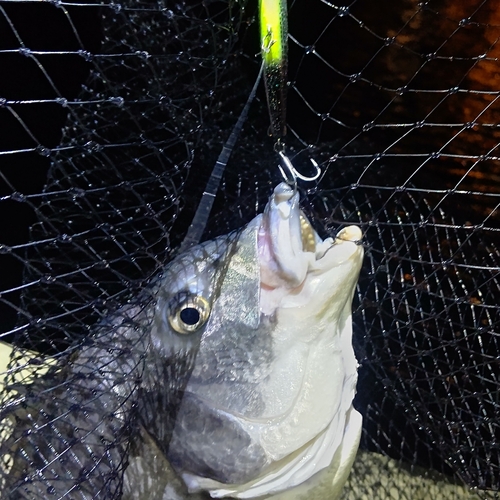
(398, 102)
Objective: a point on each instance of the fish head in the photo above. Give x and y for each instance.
(185, 294)
(269, 396)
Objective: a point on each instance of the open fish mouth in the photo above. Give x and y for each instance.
(290, 251)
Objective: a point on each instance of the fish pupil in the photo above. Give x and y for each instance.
(190, 316)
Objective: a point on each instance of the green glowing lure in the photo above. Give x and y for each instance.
(274, 45)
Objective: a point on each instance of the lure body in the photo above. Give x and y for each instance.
(274, 47)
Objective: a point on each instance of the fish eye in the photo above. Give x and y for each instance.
(187, 313)
(190, 316)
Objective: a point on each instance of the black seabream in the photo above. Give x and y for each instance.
(236, 372)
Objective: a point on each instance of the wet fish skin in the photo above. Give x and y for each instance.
(237, 355)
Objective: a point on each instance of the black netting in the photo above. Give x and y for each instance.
(398, 101)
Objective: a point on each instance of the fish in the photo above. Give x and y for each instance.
(234, 369)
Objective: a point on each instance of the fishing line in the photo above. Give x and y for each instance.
(200, 219)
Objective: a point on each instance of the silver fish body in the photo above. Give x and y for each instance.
(236, 372)
(268, 403)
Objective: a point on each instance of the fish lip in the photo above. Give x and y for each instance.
(346, 246)
(280, 240)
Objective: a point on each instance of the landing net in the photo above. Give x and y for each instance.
(112, 115)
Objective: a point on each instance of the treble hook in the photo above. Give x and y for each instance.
(291, 174)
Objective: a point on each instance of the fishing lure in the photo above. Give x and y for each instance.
(274, 47)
